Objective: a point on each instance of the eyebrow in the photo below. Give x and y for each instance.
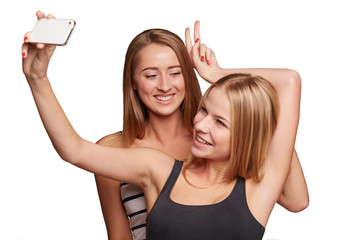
(156, 68)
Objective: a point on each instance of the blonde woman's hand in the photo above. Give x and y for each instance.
(36, 57)
(203, 57)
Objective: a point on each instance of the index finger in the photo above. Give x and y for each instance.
(197, 31)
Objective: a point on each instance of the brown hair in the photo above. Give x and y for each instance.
(135, 113)
(254, 113)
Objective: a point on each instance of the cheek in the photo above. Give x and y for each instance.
(145, 94)
(144, 87)
(180, 84)
(223, 137)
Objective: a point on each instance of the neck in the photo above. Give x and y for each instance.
(210, 173)
(162, 128)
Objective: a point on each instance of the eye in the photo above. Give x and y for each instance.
(203, 110)
(220, 123)
(151, 76)
(175, 73)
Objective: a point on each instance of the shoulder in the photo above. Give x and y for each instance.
(111, 140)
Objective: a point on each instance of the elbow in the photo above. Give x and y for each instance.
(292, 86)
(70, 153)
(295, 203)
(288, 84)
(301, 205)
(293, 78)
(67, 156)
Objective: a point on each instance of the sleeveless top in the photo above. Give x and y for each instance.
(134, 203)
(228, 219)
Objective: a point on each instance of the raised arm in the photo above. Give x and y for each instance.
(295, 194)
(281, 148)
(130, 165)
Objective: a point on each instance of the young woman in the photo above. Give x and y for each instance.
(33, 72)
(161, 96)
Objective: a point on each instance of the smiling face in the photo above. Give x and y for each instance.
(212, 127)
(158, 80)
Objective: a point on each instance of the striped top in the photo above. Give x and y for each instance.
(134, 203)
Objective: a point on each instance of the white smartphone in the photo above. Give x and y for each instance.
(52, 31)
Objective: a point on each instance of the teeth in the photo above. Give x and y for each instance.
(164, 98)
(201, 141)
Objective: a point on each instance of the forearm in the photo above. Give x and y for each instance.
(62, 135)
(295, 196)
(277, 76)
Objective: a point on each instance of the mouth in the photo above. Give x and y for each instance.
(202, 141)
(164, 98)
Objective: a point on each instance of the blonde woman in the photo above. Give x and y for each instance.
(209, 65)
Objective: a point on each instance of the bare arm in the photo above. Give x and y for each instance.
(295, 195)
(109, 192)
(281, 148)
(130, 165)
(72, 148)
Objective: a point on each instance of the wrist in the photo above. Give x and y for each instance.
(37, 82)
(217, 74)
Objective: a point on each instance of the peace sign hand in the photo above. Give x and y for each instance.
(203, 57)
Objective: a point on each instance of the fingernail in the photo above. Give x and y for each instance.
(26, 38)
(202, 58)
(208, 62)
(197, 40)
(23, 54)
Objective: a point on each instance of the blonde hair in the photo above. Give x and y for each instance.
(135, 112)
(254, 113)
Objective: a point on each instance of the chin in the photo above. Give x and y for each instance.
(167, 112)
(198, 153)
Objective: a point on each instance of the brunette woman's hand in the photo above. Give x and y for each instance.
(36, 57)
(203, 57)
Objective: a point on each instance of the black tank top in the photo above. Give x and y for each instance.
(228, 219)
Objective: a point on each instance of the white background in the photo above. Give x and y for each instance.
(43, 197)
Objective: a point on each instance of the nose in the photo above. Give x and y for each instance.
(164, 84)
(203, 125)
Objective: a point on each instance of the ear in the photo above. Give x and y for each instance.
(134, 87)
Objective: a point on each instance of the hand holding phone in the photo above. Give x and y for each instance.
(52, 31)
